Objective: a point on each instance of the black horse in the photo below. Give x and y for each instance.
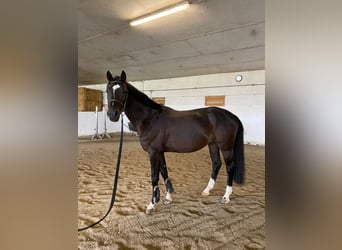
(162, 129)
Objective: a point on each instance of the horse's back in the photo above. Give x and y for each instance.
(190, 130)
(213, 117)
(185, 131)
(220, 115)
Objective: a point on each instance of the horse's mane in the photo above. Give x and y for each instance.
(142, 98)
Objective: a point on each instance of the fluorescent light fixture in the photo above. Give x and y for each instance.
(160, 13)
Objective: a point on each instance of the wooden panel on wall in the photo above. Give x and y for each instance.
(88, 99)
(215, 100)
(160, 100)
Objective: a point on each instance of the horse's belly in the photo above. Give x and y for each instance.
(183, 143)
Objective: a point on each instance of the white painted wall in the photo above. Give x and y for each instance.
(246, 99)
(87, 123)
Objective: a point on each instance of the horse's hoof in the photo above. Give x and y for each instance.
(149, 211)
(167, 201)
(205, 193)
(224, 200)
(150, 208)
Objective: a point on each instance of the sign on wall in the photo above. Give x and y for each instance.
(215, 100)
(159, 100)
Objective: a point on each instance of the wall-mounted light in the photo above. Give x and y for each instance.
(160, 13)
(238, 78)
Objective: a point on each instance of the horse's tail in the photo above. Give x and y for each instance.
(239, 156)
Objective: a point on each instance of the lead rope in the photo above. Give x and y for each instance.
(115, 182)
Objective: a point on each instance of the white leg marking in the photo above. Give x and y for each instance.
(209, 187)
(150, 208)
(225, 198)
(168, 198)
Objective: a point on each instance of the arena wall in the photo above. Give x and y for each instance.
(246, 99)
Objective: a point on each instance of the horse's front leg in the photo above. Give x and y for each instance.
(167, 181)
(155, 168)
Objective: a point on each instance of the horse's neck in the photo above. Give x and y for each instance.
(138, 114)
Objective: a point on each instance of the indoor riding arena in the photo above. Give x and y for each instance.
(201, 55)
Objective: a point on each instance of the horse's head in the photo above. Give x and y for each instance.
(117, 95)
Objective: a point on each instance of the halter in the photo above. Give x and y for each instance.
(123, 105)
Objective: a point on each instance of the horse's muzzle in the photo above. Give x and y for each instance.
(113, 115)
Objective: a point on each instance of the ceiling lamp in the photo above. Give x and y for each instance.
(160, 13)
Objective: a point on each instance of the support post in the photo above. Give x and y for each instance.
(105, 134)
(96, 135)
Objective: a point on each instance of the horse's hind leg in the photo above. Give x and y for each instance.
(167, 181)
(228, 159)
(216, 163)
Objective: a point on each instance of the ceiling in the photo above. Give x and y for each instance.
(211, 36)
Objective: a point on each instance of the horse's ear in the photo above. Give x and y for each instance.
(109, 76)
(123, 76)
